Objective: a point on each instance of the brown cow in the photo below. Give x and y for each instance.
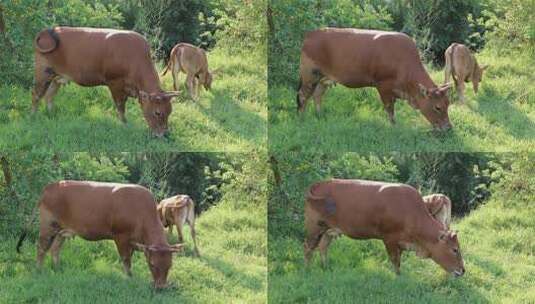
(192, 61)
(92, 57)
(96, 211)
(462, 65)
(178, 210)
(393, 213)
(439, 205)
(388, 61)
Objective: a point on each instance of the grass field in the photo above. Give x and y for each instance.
(498, 246)
(232, 269)
(232, 117)
(500, 118)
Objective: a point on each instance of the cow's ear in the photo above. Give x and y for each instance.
(172, 94)
(143, 96)
(443, 236)
(139, 246)
(176, 248)
(422, 90)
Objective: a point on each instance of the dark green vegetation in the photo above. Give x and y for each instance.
(500, 118)
(232, 117)
(230, 193)
(496, 238)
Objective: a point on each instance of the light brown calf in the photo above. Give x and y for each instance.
(178, 210)
(439, 205)
(462, 66)
(192, 61)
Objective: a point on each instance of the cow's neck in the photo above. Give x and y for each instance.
(149, 81)
(429, 230)
(154, 235)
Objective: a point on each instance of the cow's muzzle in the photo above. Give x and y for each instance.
(444, 127)
(459, 272)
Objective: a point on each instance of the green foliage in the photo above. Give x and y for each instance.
(513, 24)
(436, 24)
(289, 20)
(241, 26)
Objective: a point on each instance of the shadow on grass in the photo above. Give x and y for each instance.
(231, 273)
(226, 112)
(499, 109)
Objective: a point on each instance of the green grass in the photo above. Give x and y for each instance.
(232, 269)
(500, 118)
(232, 117)
(498, 246)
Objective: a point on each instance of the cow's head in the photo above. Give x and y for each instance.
(207, 80)
(434, 103)
(477, 76)
(447, 253)
(159, 259)
(156, 110)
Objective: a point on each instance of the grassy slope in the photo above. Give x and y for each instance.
(500, 118)
(232, 268)
(498, 247)
(232, 117)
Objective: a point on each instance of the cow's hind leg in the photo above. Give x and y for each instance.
(323, 248)
(314, 232)
(51, 92)
(318, 93)
(56, 248)
(394, 253)
(43, 78)
(125, 251)
(191, 223)
(47, 232)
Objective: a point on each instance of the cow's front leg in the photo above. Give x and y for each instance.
(125, 251)
(389, 98)
(394, 253)
(119, 98)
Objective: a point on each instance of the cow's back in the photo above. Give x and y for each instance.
(91, 56)
(192, 59)
(357, 58)
(364, 209)
(97, 210)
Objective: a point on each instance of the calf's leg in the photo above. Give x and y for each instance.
(50, 93)
(191, 223)
(314, 233)
(44, 76)
(318, 93)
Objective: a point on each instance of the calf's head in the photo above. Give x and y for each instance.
(207, 80)
(160, 260)
(477, 76)
(447, 253)
(156, 110)
(434, 103)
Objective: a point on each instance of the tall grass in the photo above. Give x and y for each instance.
(501, 117)
(498, 246)
(231, 117)
(232, 268)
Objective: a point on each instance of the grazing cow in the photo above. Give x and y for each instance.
(393, 213)
(92, 57)
(388, 61)
(178, 210)
(192, 61)
(96, 211)
(462, 66)
(439, 205)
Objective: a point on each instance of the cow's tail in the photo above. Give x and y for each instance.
(46, 41)
(297, 100)
(28, 226)
(170, 62)
(321, 203)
